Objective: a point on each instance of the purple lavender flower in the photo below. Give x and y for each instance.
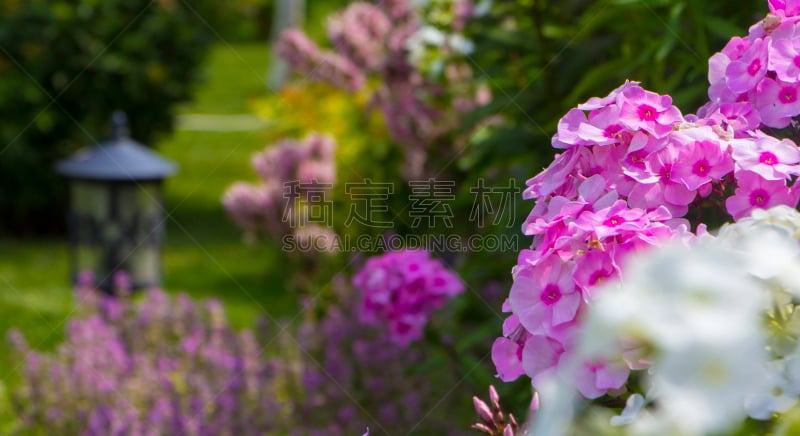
(125, 369)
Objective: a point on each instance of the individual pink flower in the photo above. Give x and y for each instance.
(636, 163)
(555, 176)
(735, 47)
(656, 233)
(596, 193)
(612, 220)
(568, 126)
(559, 209)
(601, 102)
(784, 58)
(755, 192)
(540, 357)
(777, 102)
(739, 116)
(593, 268)
(593, 194)
(744, 73)
(787, 8)
(668, 191)
(701, 162)
(648, 111)
(507, 358)
(606, 162)
(718, 89)
(595, 378)
(602, 127)
(769, 157)
(507, 350)
(545, 295)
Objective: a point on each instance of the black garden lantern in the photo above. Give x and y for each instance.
(116, 217)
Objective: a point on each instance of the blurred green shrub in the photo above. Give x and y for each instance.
(66, 65)
(542, 58)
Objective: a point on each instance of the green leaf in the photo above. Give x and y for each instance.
(722, 28)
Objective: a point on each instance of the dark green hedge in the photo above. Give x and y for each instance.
(66, 65)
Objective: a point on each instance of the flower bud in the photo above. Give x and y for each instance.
(494, 398)
(483, 410)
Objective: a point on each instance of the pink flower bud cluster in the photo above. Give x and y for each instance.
(266, 207)
(401, 289)
(631, 169)
(371, 40)
(254, 207)
(755, 80)
(359, 34)
(308, 161)
(493, 421)
(315, 64)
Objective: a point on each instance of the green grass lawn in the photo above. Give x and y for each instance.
(204, 254)
(234, 75)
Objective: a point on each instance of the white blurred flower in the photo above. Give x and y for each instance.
(431, 35)
(769, 242)
(633, 406)
(676, 295)
(418, 44)
(701, 388)
(461, 44)
(555, 411)
(482, 8)
(697, 317)
(778, 395)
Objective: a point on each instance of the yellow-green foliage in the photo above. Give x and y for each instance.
(360, 133)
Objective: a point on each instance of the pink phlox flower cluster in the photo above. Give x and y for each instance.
(630, 168)
(302, 167)
(402, 289)
(756, 79)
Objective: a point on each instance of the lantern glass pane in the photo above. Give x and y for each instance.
(90, 199)
(90, 209)
(139, 212)
(144, 265)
